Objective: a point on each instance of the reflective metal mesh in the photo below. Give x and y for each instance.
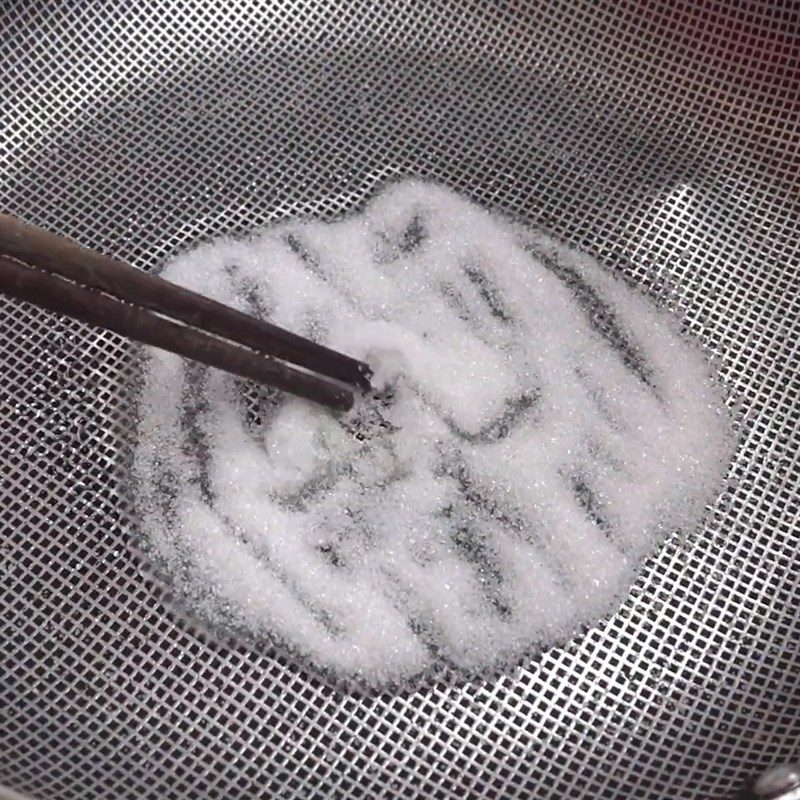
(661, 136)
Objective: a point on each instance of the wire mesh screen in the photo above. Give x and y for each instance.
(662, 137)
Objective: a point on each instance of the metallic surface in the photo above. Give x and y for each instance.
(781, 782)
(661, 136)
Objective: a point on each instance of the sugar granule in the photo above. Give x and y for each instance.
(537, 429)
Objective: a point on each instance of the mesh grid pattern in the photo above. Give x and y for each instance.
(662, 137)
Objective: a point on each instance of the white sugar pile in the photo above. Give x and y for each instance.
(537, 429)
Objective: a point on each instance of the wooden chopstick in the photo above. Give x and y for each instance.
(54, 293)
(57, 274)
(56, 254)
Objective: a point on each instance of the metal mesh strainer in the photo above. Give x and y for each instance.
(661, 136)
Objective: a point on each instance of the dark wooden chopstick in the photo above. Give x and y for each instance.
(57, 274)
(56, 294)
(59, 255)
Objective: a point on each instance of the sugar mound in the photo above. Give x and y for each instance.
(537, 428)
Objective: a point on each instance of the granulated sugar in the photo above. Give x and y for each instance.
(537, 429)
